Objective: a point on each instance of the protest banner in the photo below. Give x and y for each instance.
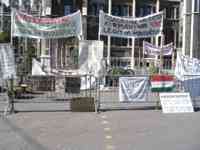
(7, 61)
(143, 27)
(132, 89)
(150, 49)
(186, 66)
(187, 70)
(24, 25)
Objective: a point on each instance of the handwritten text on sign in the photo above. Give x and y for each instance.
(142, 27)
(176, 102)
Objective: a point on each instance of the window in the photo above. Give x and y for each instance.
(196, 5)
(67, 9)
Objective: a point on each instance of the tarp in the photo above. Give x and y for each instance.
(143, 27)
(91, 58)
(37, 68)
(132, 89)
(7, 61)
(150, 49)
(24, 25)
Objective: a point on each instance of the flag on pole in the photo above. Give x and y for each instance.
(162, 83)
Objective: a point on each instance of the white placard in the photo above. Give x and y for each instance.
(176, 103)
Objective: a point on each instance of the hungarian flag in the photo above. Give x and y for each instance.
(162, 83)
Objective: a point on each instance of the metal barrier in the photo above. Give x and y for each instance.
(55, 93)
(61, 91)
(191, 84)
(109, 95)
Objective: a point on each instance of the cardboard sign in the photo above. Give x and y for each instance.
(176, 103)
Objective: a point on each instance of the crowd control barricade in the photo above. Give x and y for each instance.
(57, 93)
(191, 84)
(109, 94)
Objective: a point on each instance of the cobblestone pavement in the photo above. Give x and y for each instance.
(110, 130)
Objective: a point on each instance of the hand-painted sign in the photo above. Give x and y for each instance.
(176, 102)
(148, 26)
(133, 89)
(187, 67)
(24, 25)
(150, 49)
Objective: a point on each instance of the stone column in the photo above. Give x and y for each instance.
(157, 10)
(133, 39)
(84, 18)
(192, 30)
(109, 38)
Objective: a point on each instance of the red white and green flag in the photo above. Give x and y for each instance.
(24, 25)
(162, 83)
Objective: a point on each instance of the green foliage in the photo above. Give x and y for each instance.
(153, 69)
(4, 37)
(120, 71)
(30, 54)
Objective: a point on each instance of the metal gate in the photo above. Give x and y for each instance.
(52, 93)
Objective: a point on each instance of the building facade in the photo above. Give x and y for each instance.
(121, 52)
(190, 22)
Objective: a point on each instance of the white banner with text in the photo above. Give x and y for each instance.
(143, 27)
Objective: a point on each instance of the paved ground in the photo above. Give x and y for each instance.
(111, 130)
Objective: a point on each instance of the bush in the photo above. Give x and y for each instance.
(4, 37)
(120, 71)
(153, 70)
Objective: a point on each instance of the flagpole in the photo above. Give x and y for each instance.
(161, 54)
(143, 63)
(1, 16)
(11, 31)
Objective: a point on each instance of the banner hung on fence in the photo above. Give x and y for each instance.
(162, 83)
(187, 70)
(187, 67)
(24, 25)
(132, 89)
(143, 27)
(91, 58)
(150, 49)
(7, 61)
